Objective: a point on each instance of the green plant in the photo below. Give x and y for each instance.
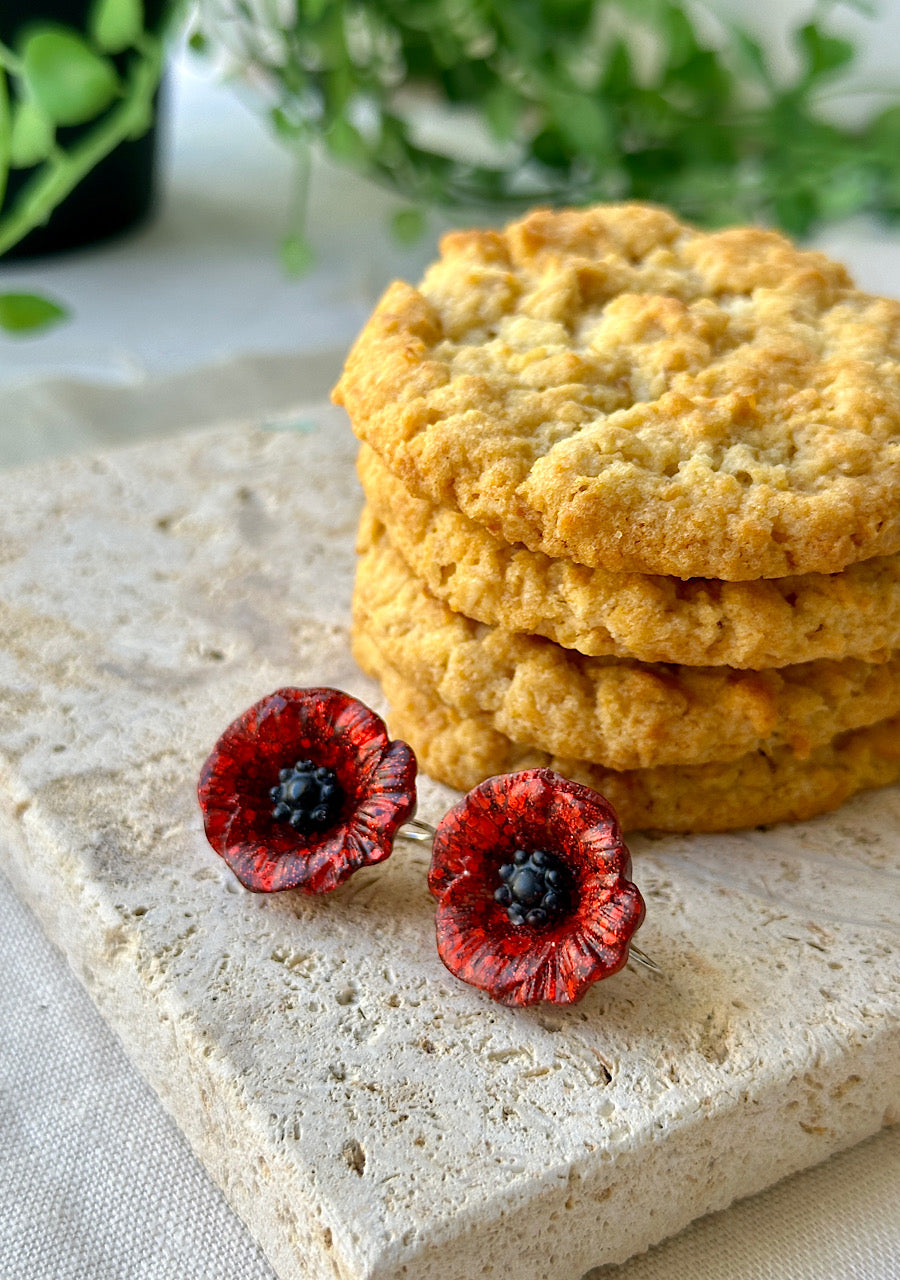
(569, 101)
(67, 99)
(582, 100)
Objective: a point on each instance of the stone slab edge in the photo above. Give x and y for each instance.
(620, 1209)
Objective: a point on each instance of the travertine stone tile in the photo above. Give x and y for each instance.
(367, 1115)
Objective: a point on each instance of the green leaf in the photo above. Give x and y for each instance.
(703, 76)
(678, 33)
(796, 211)
(885, 133)
(65, 77)
(297, 255)
(845, 192)
(345, 141)
(5, 140)
(287, 129)
(32, 136)
(313, 10)
(751, 54)
(549, 148)
(408, 225)
(116, 25)
(823, 54)
(501, 109)
(29, 313)
(618, 75)
(143, 117)
(572, 15)
(583, 123)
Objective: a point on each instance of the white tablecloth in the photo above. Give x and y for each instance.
(190, 322)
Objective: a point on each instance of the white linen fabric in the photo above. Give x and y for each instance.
(96, 1181)
(837, 1221)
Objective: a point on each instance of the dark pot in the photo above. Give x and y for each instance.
(119, 193)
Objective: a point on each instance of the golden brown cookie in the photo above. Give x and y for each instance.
(702, 622)
(612, 386)
(616, 712)
(756, 789)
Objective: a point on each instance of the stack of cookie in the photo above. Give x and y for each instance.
(633, 512)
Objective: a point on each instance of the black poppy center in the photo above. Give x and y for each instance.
(308, 797)
(536, 888)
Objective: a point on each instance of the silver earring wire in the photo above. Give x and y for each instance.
(635, 953)
(416, 831)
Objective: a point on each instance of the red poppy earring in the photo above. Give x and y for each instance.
(530, 870)
(533, 888)
(305, 788)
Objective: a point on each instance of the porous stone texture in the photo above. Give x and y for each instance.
(367, 1115)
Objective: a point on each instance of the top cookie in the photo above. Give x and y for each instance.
(613, 386)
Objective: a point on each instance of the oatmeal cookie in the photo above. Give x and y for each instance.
(757, 789)
(616, 712)
(772, 622)
(615, 387)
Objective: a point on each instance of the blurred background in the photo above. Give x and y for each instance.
(236, 183)
(308, 151)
